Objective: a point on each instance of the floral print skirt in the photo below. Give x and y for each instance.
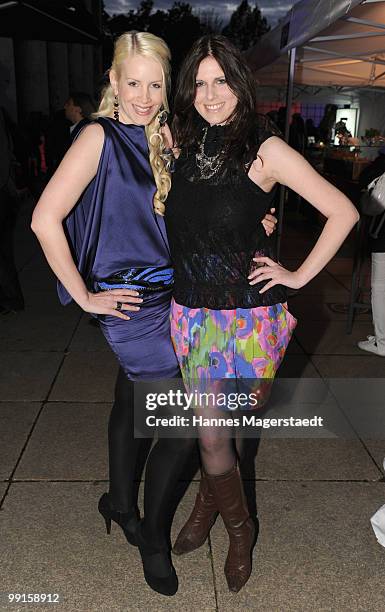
(244, 344)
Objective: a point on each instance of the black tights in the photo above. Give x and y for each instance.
(220, 446)
(127, 456)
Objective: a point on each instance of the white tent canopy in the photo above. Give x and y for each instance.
(337, 42)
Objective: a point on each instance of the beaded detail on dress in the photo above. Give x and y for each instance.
(214, 230)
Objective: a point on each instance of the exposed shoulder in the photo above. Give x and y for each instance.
(277, 157)
(84, 154)
(273, 145)
(88, 144)
(92, 133)
(276, 149)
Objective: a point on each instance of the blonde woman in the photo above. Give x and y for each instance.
(110, 189)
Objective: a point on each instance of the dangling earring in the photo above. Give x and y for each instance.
(116, 108)
(163, 116)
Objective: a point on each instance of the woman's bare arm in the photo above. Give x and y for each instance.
(75, 172)
(284, 165)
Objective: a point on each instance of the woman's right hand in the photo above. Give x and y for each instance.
(106, 302)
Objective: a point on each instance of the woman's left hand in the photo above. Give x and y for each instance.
(274, 273)
(269, 222)
(168, 140)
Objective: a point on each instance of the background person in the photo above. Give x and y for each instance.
(11, 296)
(376, 343)
(78, 110)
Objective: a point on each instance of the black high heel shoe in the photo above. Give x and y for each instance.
(128, 521)
(158, 569)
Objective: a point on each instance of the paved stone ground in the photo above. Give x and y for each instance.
(316, 549)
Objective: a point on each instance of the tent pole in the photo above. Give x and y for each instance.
(289, 102)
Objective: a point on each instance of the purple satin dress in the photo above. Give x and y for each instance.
(112, 228)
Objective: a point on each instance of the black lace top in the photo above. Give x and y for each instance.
(214, 229)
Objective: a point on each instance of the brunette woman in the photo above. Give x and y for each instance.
(229, 317)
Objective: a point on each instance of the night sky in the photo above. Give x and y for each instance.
(273, 10)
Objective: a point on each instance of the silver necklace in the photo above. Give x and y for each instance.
(208, 165)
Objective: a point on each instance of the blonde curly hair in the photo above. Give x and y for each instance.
(148, 45)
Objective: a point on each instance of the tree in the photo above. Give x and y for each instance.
(132, 20)
(179, 27)
(143, 14)
(246, 25)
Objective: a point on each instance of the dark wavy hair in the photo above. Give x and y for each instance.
(244, 125)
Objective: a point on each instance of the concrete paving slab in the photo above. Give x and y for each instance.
(60, 546)
(34, 330)
(331, 297)
(3, 486)
(43, 301)
(16, 420)
(27, 376)
(301, 392)
(294, 348)
(314, 459)
(351, 366)
(316, 550)
(68, 443)
(340, 265)
(194, 570)
(47, 302)
(86, 377)
(343, 266)
(311, 308)
(88, 336)
(331, 338)
(376, 448)
(297, 366)
(27, 245)
(39, 288)
(346, 280)
(324, 284)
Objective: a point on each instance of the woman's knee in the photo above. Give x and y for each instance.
(214, 445)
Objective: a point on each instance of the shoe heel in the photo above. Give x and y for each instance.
(107, 521)
(126, 520)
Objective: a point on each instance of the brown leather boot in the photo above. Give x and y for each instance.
(202, 518)
(229, 497)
